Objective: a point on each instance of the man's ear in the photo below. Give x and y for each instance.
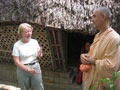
(104, 16)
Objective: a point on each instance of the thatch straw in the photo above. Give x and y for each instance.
(66, 14)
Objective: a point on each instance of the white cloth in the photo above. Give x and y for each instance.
(27, 52)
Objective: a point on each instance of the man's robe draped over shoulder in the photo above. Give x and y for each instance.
(106, 51)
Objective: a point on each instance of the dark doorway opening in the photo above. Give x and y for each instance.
(75, 43)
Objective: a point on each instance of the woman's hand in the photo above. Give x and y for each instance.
(40, 52)
(32, 71)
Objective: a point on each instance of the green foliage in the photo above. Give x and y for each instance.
(108, 81)
(92, 86)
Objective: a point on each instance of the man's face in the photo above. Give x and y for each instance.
(97, 18)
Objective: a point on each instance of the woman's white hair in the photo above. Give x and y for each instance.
(22, 26)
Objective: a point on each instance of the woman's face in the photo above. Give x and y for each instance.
(87, 46)
(26, 34)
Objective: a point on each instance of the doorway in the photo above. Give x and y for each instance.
(76, 41)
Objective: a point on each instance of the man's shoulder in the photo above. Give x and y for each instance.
(113, 34)
(114, 37)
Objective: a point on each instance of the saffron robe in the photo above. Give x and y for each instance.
(106, 51)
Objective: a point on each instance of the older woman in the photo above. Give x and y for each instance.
(25, 53)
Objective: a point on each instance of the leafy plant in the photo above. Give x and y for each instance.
(108, 81)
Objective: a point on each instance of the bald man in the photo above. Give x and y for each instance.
(104, 54)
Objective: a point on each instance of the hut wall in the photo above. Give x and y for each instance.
(8, 36)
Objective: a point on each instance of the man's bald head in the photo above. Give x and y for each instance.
(101, 17)
(106, 11)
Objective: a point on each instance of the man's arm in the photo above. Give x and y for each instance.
(111, 60)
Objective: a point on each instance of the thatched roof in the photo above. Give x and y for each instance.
(67, 14)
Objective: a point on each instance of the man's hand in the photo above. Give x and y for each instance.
(91, 60)
(86, 59)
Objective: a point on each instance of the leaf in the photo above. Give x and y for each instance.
(118, 72)
(107, 80)
(91, 87)
(112, 87)
(115, 76)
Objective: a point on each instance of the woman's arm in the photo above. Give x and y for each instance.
(19, 64)
(22, 66)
